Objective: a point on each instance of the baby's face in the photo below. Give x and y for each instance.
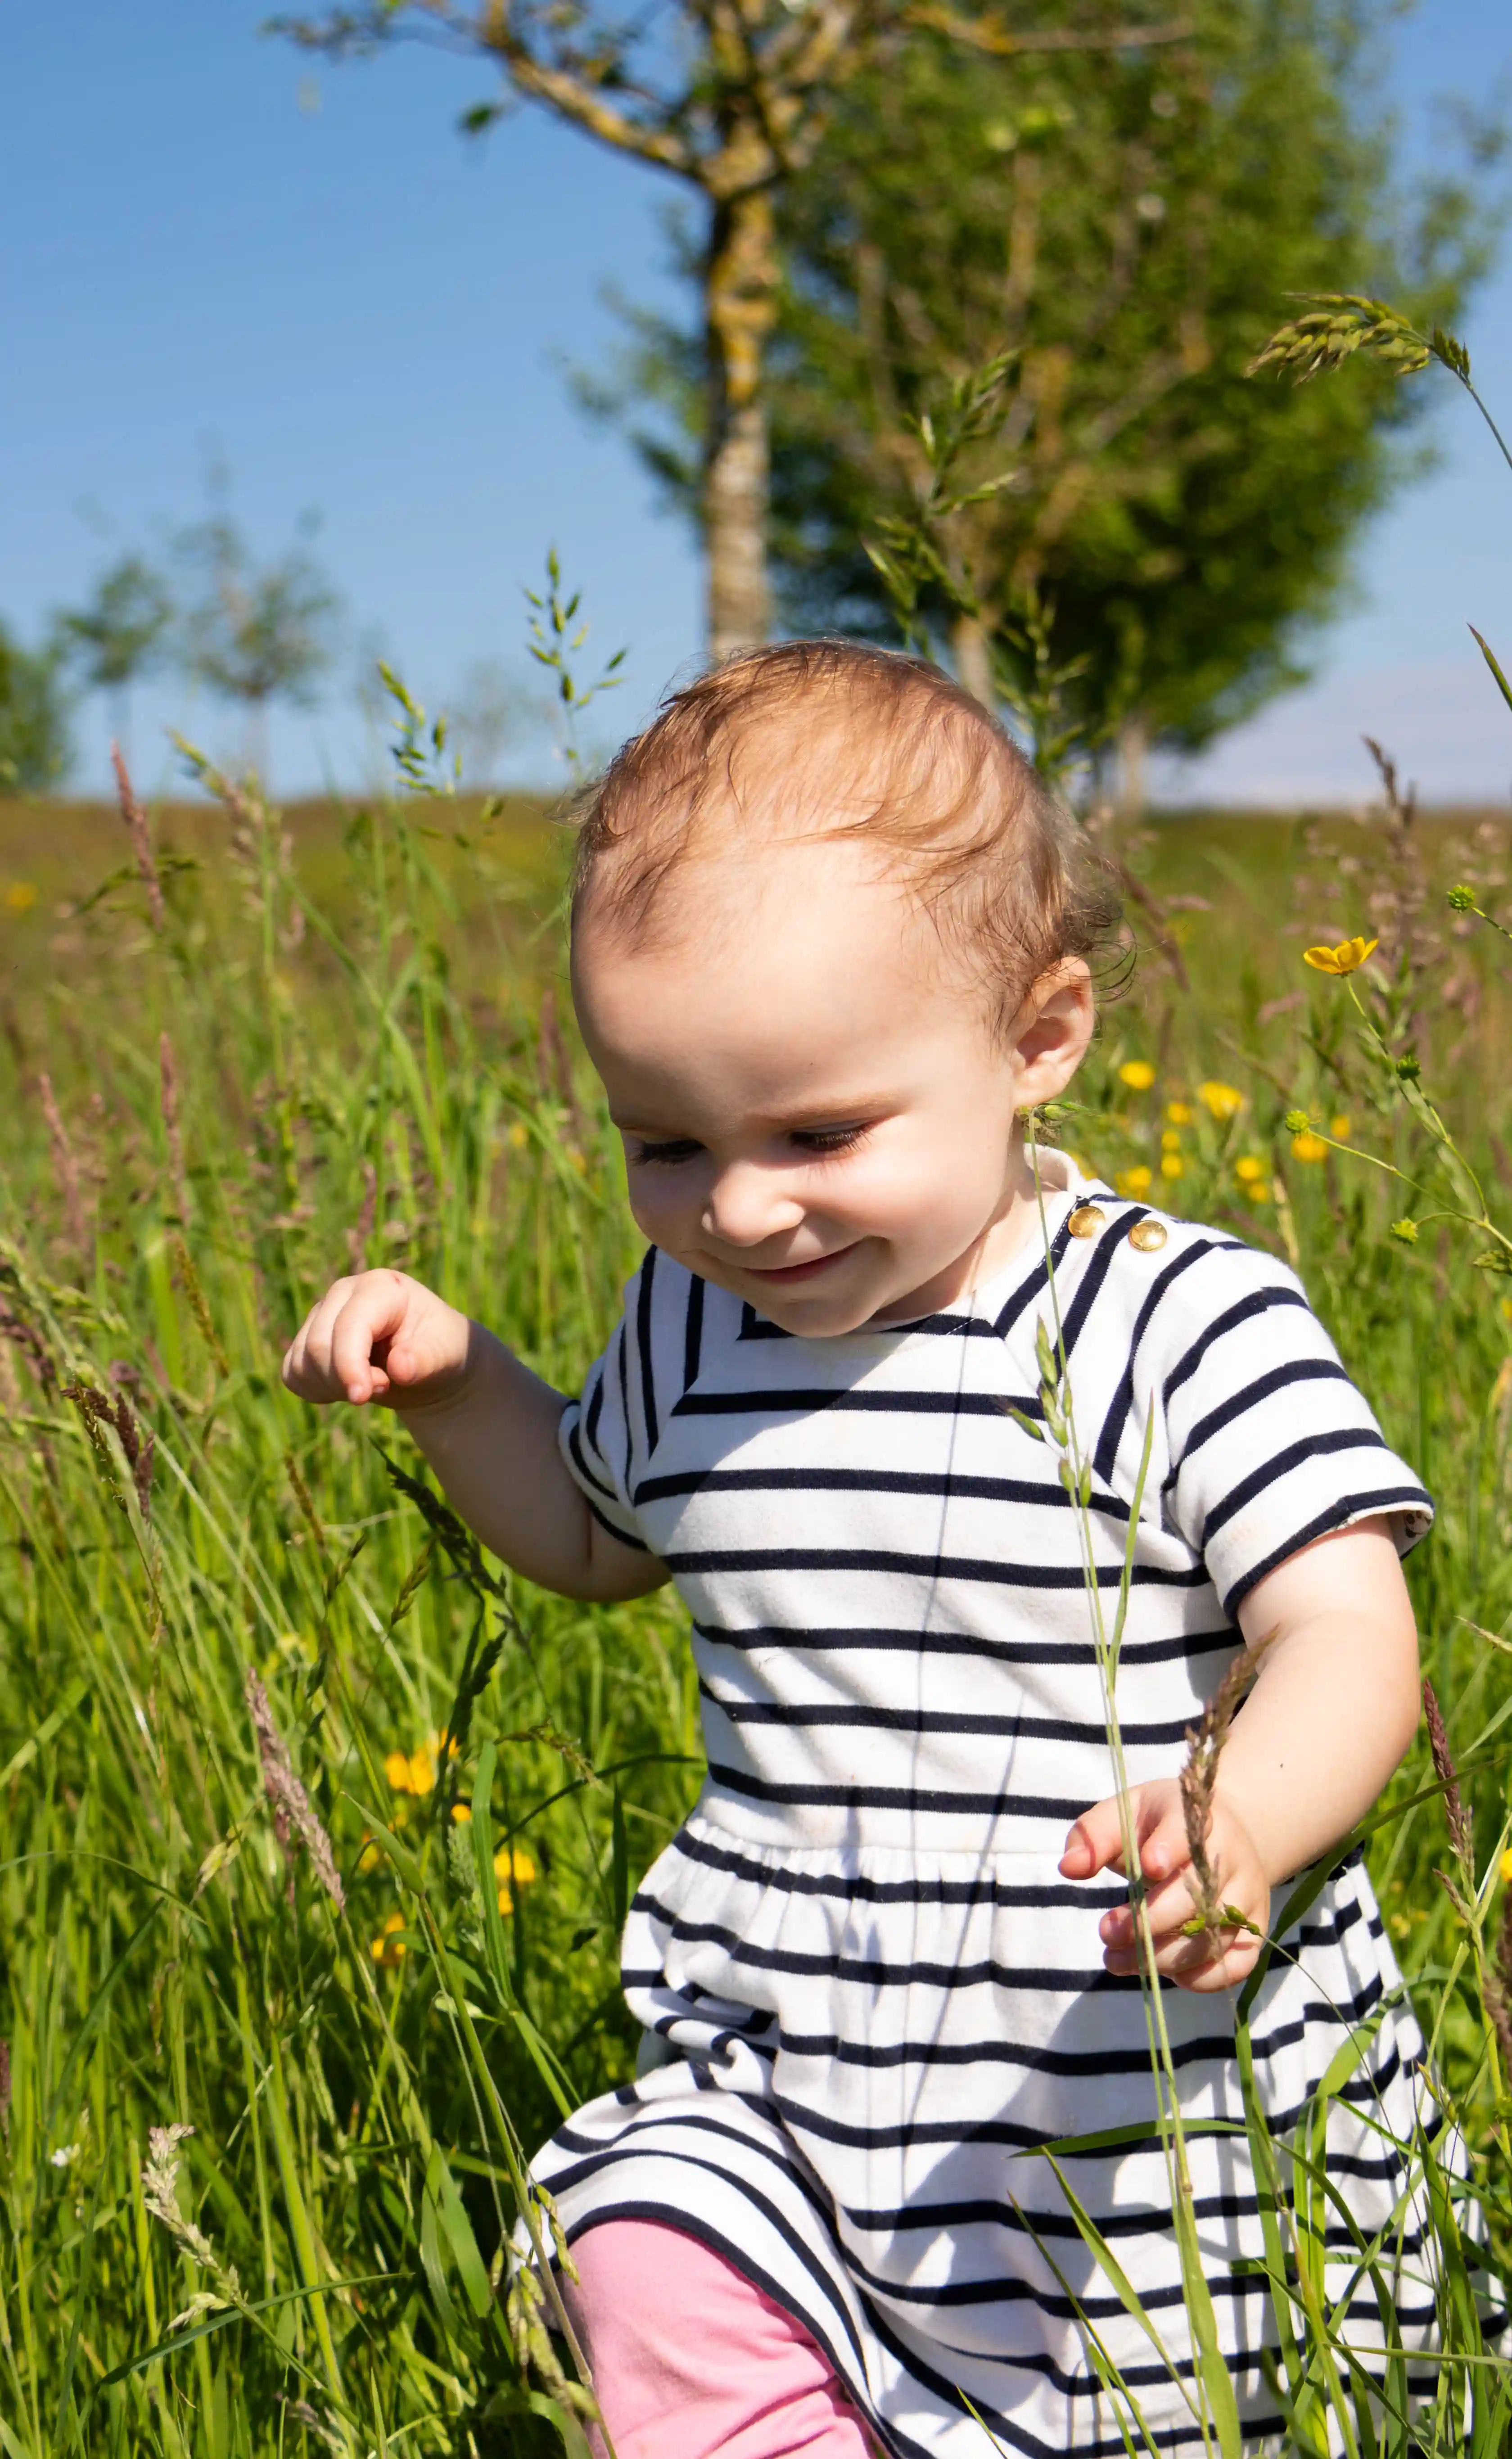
(816, 1114)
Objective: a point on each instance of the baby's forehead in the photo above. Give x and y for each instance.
(819, 779)
(737, 892)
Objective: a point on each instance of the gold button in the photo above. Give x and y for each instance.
(1148, 1236)
(1086, 1221)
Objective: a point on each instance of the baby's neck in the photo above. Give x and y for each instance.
(1014, 1225)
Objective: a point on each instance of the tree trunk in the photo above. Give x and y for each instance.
(1133, 750)
(740, 307)
(974, 661)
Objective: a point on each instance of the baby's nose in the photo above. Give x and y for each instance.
(746, 1204)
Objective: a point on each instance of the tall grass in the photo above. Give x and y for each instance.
(248, 1071)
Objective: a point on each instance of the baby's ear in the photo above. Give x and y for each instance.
(1054, 1029)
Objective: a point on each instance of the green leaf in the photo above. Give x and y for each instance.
(472, 2269)
(75, 1692)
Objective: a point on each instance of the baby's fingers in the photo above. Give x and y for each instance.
(1169, 1906)
(338, 1352)
(308, 1360)
(1094, 1840)
(360, 1335)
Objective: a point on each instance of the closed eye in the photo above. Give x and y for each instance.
(821, 1142)
(666, 1155)
(828, 1139)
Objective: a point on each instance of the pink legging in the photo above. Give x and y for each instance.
(692, 2360)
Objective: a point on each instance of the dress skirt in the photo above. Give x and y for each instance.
(866, 2051)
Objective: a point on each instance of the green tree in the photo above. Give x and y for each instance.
(35, 749)
(120, 634)
(1117, 228)
(254, 632)
(734, 99)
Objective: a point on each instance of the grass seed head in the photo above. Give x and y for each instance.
(1199, 1778)
(1455, 1811)
(293, 1812)
(137, 828)
(1337, 326)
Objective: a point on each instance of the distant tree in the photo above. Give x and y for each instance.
(35, 749)
(255, 632)
(495, 713)
(735, 99)
(120, 634)
(1118, 228)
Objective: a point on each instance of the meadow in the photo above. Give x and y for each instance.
(319, 1829)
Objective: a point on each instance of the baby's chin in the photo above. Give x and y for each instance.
(823, 1309)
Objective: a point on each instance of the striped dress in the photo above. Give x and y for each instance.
(870, 1997)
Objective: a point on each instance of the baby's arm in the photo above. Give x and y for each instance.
(1330, 1720)
(486, 1424)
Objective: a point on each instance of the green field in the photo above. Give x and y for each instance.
(344, 1036)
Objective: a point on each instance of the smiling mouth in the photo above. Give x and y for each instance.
(782, 1272)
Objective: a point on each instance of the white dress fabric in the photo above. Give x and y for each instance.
(875, 1996)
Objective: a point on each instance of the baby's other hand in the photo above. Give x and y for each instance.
(379, 1336)
(1206, 1960)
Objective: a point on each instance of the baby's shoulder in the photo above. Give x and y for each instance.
(1153, 1281)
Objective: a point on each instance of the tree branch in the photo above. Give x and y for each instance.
(987, 34)
(581, 102)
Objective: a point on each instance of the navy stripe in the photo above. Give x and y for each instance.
(823, 1640)
(1243, 1311)
(643, 1347)
(1016, 1726)
(948, 1486)
(1238, 1404)
(692, 1332)
(1348, 1439)
(1106, 1451)
(932, 1566)
(803, 1400)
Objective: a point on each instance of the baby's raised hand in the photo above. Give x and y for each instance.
(380, 1337)
(1206, 1960)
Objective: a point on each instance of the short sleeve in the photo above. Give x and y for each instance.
(593, 1433)
(609, 1436)
(1270, 1444)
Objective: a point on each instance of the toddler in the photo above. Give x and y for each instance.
(832, 938)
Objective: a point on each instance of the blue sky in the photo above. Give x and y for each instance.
(218, 249)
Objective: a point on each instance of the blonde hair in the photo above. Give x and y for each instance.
(835, 739)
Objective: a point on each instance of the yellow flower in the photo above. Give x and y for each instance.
(1179, 1113)
(1249, 1166)
(370, 1855)
(1173, 1165)
(1307, 1147)
(410, 1772)
(1137, 1074)
(20, 897)
(1221, 1100)
(415, 1771)
(1346, 958)
(1137, 1180)
(461, 1813)
(1171, 1141)
(1258, 1190)
(518, 1135)
(1504, 1866)
(512, 1868)
(386, 1950)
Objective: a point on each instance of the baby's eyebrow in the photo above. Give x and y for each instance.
(813, 1114)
